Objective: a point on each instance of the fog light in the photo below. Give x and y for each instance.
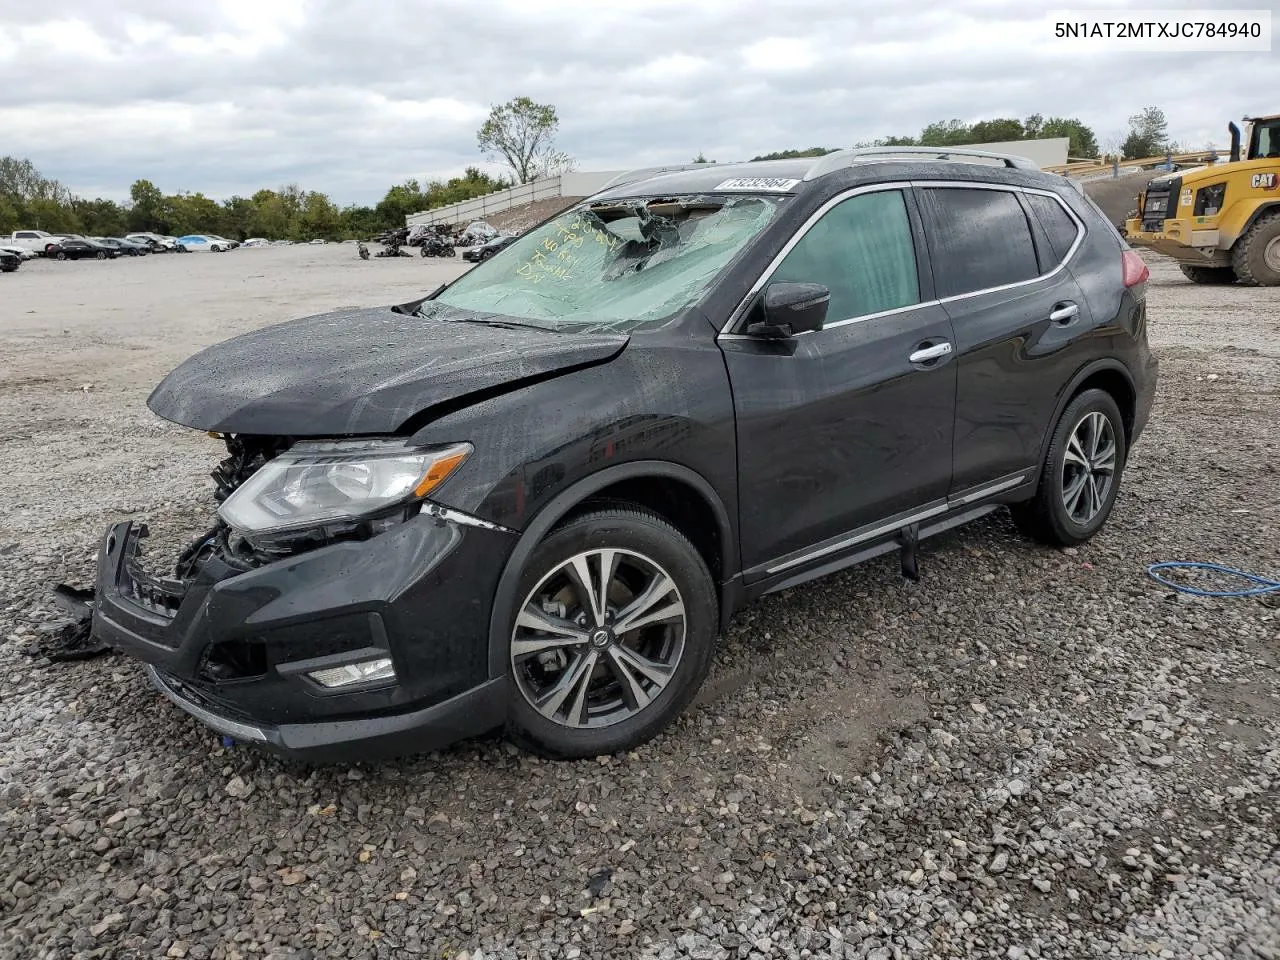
(361, 672)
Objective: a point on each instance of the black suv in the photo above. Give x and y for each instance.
(533, 499)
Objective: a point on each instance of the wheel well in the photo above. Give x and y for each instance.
(678, 503)
(1114, 383)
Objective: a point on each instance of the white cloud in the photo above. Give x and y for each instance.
(346, 96)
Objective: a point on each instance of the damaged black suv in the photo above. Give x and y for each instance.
(533, 499)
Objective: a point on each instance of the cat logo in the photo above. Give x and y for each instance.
(1263, 181)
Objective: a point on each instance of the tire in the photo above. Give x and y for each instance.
(1256, 255)
(486, 255)
(61, 255)
(1047, 517)
(100, 255)
(617, 706)
(423, 251)
(1201, 274)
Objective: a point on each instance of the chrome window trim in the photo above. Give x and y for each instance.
(805, 227)
(1008, 188)
(839, 198)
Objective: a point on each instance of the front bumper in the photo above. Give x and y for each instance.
(1181, 240)
(234, 646)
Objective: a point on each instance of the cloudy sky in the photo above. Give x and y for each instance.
(349, 96)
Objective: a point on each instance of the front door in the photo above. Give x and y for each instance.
(853, 423)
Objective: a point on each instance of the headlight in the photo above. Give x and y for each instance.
(312, 484)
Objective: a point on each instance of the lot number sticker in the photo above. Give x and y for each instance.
(758, 183)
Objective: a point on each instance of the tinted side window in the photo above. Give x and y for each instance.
(863, 252)
(979, 239)
(1058, 226)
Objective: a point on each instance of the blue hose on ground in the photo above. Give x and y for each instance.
(1263, 584)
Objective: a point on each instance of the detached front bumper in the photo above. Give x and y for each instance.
(235, 647)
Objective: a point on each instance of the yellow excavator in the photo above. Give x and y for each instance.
(1221, 222)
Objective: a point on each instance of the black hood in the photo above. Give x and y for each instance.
(361, 372)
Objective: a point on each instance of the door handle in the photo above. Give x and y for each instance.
(926, 354)
(1064, 313)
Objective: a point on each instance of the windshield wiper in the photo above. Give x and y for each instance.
(495, 320)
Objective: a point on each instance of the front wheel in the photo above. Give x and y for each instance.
(1256, 255)
(100, 255)
(1081, 474)
(62, 255)
(614, 634)
(1197, 273)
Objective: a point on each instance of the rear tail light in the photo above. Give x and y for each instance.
(1134, 269)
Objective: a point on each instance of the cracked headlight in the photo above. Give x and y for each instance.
(318, 483)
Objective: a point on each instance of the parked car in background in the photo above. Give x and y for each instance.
(256, 242)
(124, 248)
(22, 252)
(154, 241)
(318, 240)
(231, 244)
(9, 261)
(37, 241)
(199, 242)
(477, 231)
(81, 249)
(487, 250)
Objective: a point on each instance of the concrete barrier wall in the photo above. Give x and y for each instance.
(1045, 153)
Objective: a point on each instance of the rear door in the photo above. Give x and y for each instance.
(1018, 314)
(852, 423)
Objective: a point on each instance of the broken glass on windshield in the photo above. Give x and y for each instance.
(612, 265)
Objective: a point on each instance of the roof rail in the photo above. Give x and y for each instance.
(644, 173)
(844, 158)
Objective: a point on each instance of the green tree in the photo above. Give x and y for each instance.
(522, 134)
(148, 208)
(400, 201)
(997, 131)
(360, 223)
(318, 217)
(234, 221)
(1083, 142)
(946, 133)
(1148, 134)
(100, 218)
(794, 154)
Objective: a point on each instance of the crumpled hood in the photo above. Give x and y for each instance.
(360, 372)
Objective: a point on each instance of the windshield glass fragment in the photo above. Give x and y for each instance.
(613, 265)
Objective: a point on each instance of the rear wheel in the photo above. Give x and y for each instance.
(1201, 274)
(614, 635)
(1256, 256)
(1080, 476)
(100, 255)
(62, 255)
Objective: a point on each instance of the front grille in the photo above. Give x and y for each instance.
(1155, 211)
(160, 595)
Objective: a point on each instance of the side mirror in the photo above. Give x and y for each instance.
(791, 308)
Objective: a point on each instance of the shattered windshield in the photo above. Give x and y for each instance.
(612, 265)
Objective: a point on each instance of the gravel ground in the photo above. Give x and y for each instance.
(1029, 753)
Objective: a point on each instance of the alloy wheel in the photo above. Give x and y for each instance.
(1088, 467)
(598, 638)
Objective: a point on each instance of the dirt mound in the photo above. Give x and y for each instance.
(520, 219)
(1117, 197)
